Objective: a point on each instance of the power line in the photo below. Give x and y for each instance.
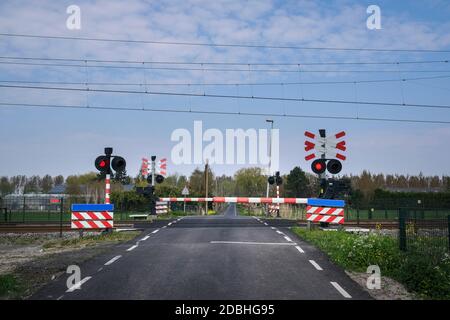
(183, 94)
(228, 63)
(212, 69)
(230, 45)
(223, 83)
(6, 104)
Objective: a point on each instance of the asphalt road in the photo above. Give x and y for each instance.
(213, 257)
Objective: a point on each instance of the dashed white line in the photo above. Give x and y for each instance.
(265, 224)
(299, 249)
(341, 290)
(112, 260)
(273, 228)
(287, 238)
(315, 265)
(155, 231)
(164, 227)
(144, 238)
(279, 232)
(170, 223)
(132, 248)
(258, 243)
(60, 297)
(99, 269)
(77, 285)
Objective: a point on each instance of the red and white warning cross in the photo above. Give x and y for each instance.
(144, 167)
(325, 214)
(92, 216)
(330, 146)
(162, 167)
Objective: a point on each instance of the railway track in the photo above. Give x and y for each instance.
(41, 228)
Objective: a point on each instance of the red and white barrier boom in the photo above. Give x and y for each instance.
(317, 210)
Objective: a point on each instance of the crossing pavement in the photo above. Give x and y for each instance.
(210, 257)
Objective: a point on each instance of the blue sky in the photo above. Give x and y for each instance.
(65, 141)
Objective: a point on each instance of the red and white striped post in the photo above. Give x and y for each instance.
(278, 196)
(107, 188)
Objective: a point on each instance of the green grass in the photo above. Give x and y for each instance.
(10, 287)
(91, 240)
(427, 275)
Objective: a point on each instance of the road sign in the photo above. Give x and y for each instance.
(92, 216)
(185, 191)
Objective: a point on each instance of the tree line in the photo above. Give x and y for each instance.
(245, 182)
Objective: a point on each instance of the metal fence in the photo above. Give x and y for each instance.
(423, 235)
(56, 208)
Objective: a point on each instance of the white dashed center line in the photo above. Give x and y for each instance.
(113, 260)
(315, 265)
(77, 285)
(164, 227)
(299, 249)
(155, 231)
(341, 290)
(265, 224)
(145, 238)
(273, 228)
(132, 248)
(287, 238)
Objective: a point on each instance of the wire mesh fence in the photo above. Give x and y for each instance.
(419, 234)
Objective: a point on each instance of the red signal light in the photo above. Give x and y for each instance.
(318, 166)
(102, 163)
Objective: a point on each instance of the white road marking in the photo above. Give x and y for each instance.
(112, 260)
(100, 269)
(170, 224)
(341, 290)
(155, 231)
(60, 297)
(279, 232)
(77, 285)
(265, 224)
(299, 249)
(132, 248)
(164, 227)
(273, 228)
(287, 238)
(250, 242)
(144, 238)
(315, 265)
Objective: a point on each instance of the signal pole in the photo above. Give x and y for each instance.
(153, 170)
(206, 186)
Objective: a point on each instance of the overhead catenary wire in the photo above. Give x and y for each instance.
(228, 62)
(283, 83)
(181, 94)
(211, 69)
(212, 44)
(12, 104)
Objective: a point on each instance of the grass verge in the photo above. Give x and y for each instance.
(426, 275)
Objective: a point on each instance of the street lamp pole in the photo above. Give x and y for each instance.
(270, 160)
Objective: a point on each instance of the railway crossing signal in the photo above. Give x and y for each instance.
(330, 150)
(275, 179)
(103, 163)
